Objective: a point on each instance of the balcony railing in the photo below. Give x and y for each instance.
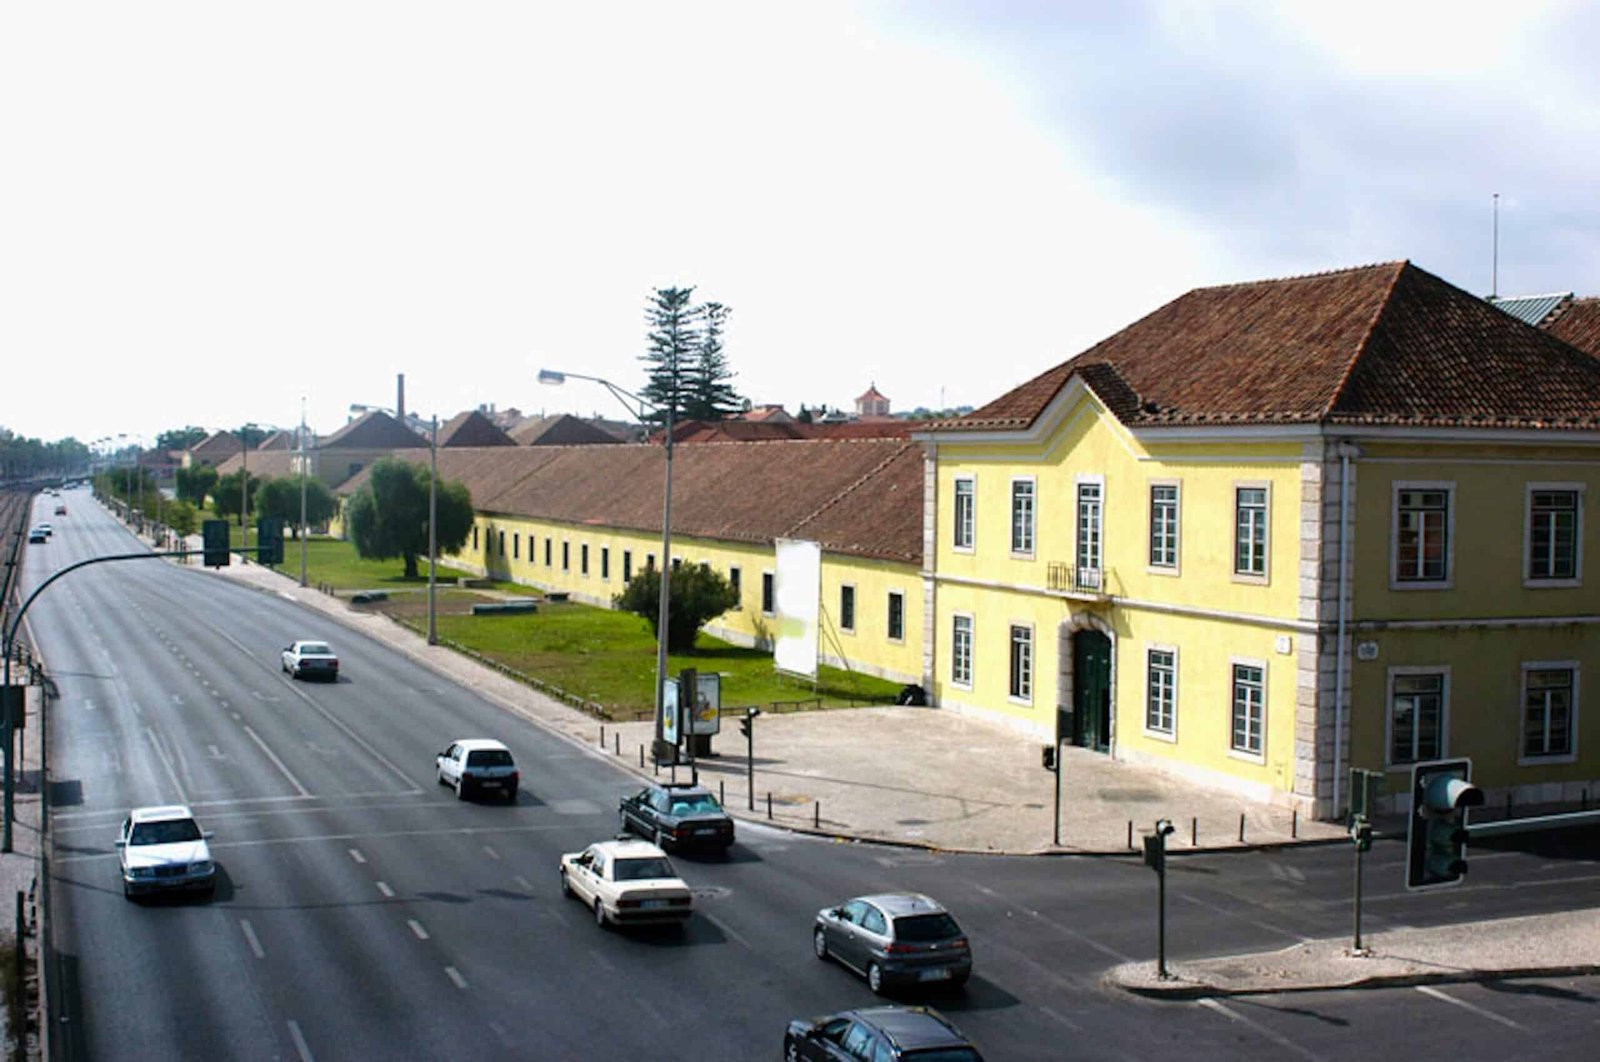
(1076, 579)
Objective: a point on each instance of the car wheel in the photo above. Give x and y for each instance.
(461, 788)
(566, 886)
(127, 891)
(599, 914)
(791, 1050)
(439, 776)
(819, 944)
(875, 979)
(511, 795)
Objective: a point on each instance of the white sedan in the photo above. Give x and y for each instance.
(162, 848)
(304, 659)
(626, 883)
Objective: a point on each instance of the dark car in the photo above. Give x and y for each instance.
(677, 815)
(920, 1034)
(894, 939)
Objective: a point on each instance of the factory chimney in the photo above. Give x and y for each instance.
(400, 399)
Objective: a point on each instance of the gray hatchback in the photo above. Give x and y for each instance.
(895, 939)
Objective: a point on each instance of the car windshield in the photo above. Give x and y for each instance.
(170, 831)
(315, 649)
(642, 869)
(694, 804)
(489, 758)
(921, 929)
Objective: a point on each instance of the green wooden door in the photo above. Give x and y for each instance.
(1091, 690)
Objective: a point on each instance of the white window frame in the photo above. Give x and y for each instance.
(1444, 712)
(1176, 566)
(1540, 582)
(855, 606)
(956, 679)
(1446, 583)
(1026, 697)
(766, 575)
(1245, 754)
(1030, 528)
(1152, 732)
(1078, 483)
(736, 580)
(971, 525)
(889, 612)
(1571, 755)
(1251, 578)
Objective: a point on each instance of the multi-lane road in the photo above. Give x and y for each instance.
(364, 913)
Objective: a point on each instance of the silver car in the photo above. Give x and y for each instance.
(894, 939)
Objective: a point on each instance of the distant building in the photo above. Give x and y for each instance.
(872, 404)
(769, 413)
(213, 450)
(473, 428)
(562, 429)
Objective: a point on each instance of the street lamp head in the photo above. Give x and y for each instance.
(552, 377)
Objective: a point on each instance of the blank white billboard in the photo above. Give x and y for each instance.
(799, 600)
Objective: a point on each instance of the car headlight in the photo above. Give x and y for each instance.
(205, 866)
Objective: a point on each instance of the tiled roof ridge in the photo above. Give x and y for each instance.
(1366, 338)
(1244, 284)
(852, 487)
(1565, 305)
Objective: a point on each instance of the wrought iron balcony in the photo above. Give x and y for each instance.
(1074, 579)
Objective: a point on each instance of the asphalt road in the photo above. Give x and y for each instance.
(364, 913)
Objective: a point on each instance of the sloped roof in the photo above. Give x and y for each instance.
(872, 392)
(1385, 344)
(1532, 309)
(263, 464)
(472, 428)
(1579, 324)
(561, 429)
(372, 430)
(215, 445)
(278, 440)
(862, 497)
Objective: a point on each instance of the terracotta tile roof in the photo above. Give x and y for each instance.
(372, 430)
(562, 429)
(263, 464)
(856, 496)
(1382, 344)
(278, 440)
(216, 444)
(1578, 323)
(472, 428)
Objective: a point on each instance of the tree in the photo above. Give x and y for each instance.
(709, 396)
(280, 497)
(673, 336)
(225, 496)
(180, 438)
(388, 517)
(698, 594)
(194, 483)
(182, 518)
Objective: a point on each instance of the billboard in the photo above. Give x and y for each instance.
(799, 600)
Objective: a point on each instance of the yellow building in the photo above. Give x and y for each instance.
(1276, 530)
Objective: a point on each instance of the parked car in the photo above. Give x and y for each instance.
(677, 815)
(305, 659)
(894, 939)
(163, 848)
(626, 882)
(478, 765)
(886, 1033)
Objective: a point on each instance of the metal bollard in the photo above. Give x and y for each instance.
(722, 791)
(1130, 835)
(602, 735)
(769, 803)
(641, 757)
(1241, 827)
(816, 815)
(1294, 824)
(1194, 832)
(616, 743)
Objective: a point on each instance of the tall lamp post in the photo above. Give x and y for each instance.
(433, 515)
(555, 378)
(302, 442)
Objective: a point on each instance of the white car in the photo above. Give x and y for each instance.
(303, 659)
(626, 883)
(162, 848)
(478, 765)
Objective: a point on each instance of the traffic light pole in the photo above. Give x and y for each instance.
(1361, 854)
(1057, 836)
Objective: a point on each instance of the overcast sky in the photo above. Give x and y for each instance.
(209, 211)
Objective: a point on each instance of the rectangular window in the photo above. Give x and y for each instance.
(502, 537)
(766, 593)
(733, 581)
(474, 537)
(1022, 515)
(964, 513)
(649, 561)
(1164, 525)
(1021, 662)
(1250, 531)
(897, 616)
(605, 563)
(1549, 710)
(1161, 691)
(847, 608)
(1552, 534)
(1422, 535)
(516, 545)
(1090, 497)
(566, 555)
(677, 562)
(961, 651)
(583, 559)
(1416, 716)
(627, 566)
(1249, 708)
(547, 542)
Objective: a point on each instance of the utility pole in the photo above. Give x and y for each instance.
(433, 537)
(302, 491)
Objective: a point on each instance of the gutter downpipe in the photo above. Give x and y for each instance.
(1344, 579)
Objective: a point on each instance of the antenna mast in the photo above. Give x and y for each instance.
(1494, 269)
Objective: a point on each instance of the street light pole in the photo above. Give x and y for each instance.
(433, 534)
(302, 492)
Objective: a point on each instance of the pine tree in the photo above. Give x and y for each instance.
(710, 396)
(674, 337)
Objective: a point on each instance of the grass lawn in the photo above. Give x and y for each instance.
(599, 656)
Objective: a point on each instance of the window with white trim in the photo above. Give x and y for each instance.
(1549, 710)
(1250, 531)
(897, 616)
(1022, 515)
(1249, 710)
(965, 512)
(583, 559)
(605, 563)
(847, 608)
(1164, 525)
(767, 593)
(961, 650)
(1552, 534)
(1091, 495)
(1161, 691)
(734, 577)
(1416, 715)
(1422, 534)
(1021, 662)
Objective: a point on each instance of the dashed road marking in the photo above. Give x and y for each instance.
(300, 1044)
(251, 939)
(720, 924)
(1428, 990)
(355, 853)
(273, 756)
(383, 887)
(416, 927)
(455, 976)
(491, 853)
(524, 882)
(1277, 1038)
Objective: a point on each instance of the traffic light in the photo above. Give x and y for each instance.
(747, 722)
(1436, 842)
(269, 536)
(214, 543)
(1361, 833)
(1155, 846)
(1048, 757)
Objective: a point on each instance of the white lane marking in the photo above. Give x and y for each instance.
(1058, 1016)
(720, 924)
(1229, 913)
(286, 595)
(273, 756)
(524, 882)
(251, 939)
(1232, 1015)
(491, 853)
(300, 1044)
(416, 927)
(383, 887)
(216, 753)
(161, 754)
(1464, 1005)
(355, 853)
(325, 837)
(88, 705)
(455, 976)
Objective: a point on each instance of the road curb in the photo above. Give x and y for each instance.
(1181, 988)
